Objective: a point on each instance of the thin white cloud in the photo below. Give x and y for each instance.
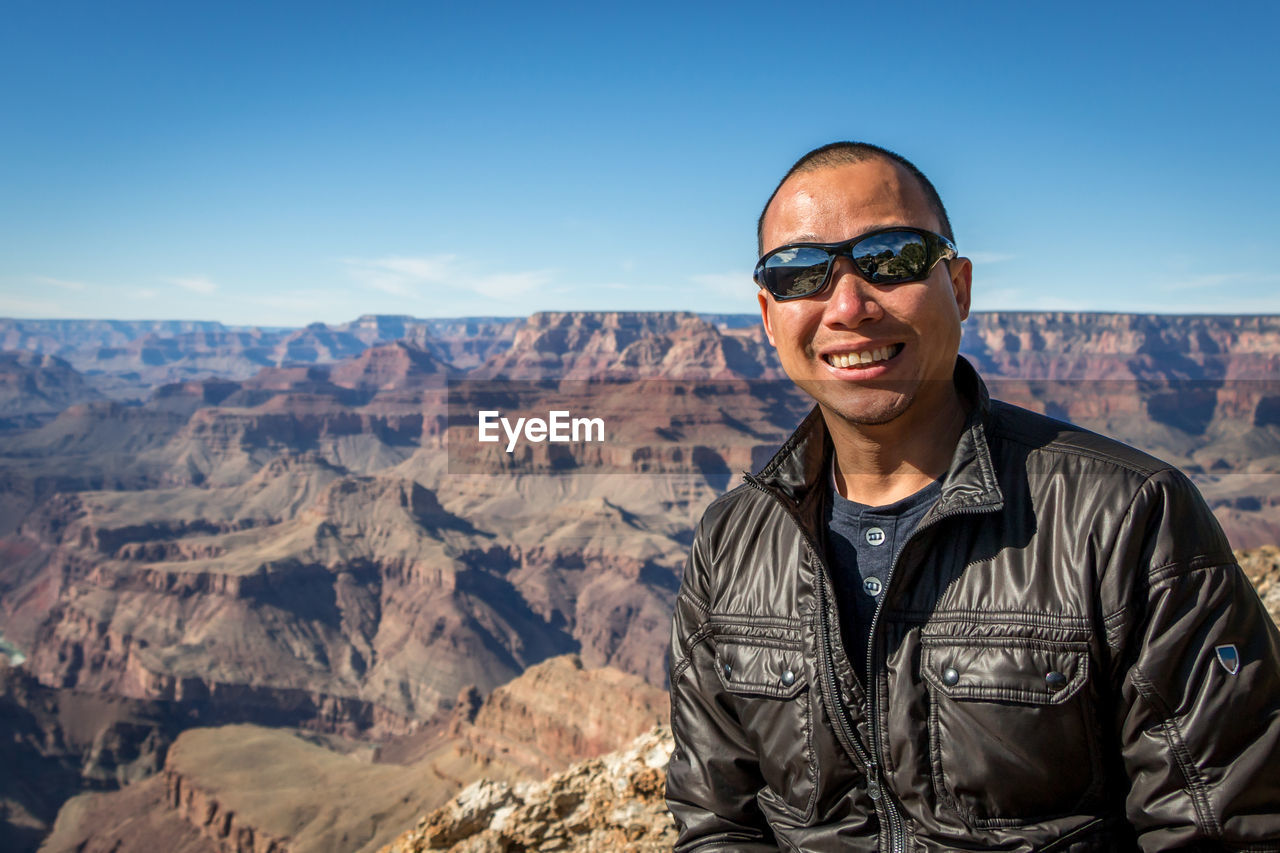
(735, 285)
(194, 283)
(1057, 303)
(59, 282)
(300, 306)
(14, 306)
(508, 285)
(1013, 299)
(1240, 305)
(416, 277)
(998, 299)
(1215, 280)
(988, 257)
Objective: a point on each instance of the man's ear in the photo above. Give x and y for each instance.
(763, 299)
(961, 270)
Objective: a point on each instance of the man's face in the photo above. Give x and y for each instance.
(916, 324)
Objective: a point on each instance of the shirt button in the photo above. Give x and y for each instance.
(1055, 680)
(950, 676)
(788, 678)
(875, 536)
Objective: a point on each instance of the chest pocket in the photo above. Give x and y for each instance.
(768, 689)
(1013, 738)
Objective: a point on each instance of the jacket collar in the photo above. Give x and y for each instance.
(798, 469)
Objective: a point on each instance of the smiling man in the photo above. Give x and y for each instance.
(934, 621)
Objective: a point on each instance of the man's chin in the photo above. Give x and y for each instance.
(868, 412)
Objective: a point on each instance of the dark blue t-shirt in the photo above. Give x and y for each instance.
(862, 543)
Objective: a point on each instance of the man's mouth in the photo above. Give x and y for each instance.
(860, 359)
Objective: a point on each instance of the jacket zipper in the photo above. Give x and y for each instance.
(845, 729)
(875, 789)
(896, 829)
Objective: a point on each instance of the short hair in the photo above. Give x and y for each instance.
(844, 153)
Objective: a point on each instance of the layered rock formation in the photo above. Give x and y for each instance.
(1008, 343)
(34, 388)
(603, 345)
(299, 528)
(556, 713)
(1090, 346)
(62, 337)
(58, 742)
(129, 359)
(306, 595)
(247, 788)
(294, 550)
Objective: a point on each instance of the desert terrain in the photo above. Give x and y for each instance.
(263, 589)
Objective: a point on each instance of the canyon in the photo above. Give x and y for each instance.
(233, 557)
(248, 787)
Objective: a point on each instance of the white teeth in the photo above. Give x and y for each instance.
(849, 359)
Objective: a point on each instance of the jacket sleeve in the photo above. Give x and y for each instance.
(714, 776)
(1199, 689)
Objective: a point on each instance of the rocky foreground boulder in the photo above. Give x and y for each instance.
(1262, 567)
(610, 803)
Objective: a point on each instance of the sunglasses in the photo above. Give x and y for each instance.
(886, 256)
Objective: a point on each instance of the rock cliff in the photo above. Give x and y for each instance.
(610, 803)
(558, 712)
(297, 528)
(598, 345)
(34, 388)
(1092, 346)
(59, 742)
(249, 789)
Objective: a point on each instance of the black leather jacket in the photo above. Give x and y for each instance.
(1045, 660)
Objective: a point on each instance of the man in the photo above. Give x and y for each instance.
(935, 621)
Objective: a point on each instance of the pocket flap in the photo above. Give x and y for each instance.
(760, 670)
(1012, 669)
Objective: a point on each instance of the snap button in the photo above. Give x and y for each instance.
(950, 676)
(1055, 680)
(728, 670)
(788, 678)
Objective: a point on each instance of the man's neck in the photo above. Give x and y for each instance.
(880, 464)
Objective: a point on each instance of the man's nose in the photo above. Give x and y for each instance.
(851, 299)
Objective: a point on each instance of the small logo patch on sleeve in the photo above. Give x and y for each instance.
(1229, 658)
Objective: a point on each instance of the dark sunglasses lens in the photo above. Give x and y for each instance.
(795, 272)
(893, 257)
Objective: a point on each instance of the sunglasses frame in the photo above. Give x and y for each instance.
(937, 247)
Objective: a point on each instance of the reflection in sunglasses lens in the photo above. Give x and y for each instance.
(890, 257)
(797, 272)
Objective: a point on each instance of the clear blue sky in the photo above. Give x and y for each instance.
(277, 164)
